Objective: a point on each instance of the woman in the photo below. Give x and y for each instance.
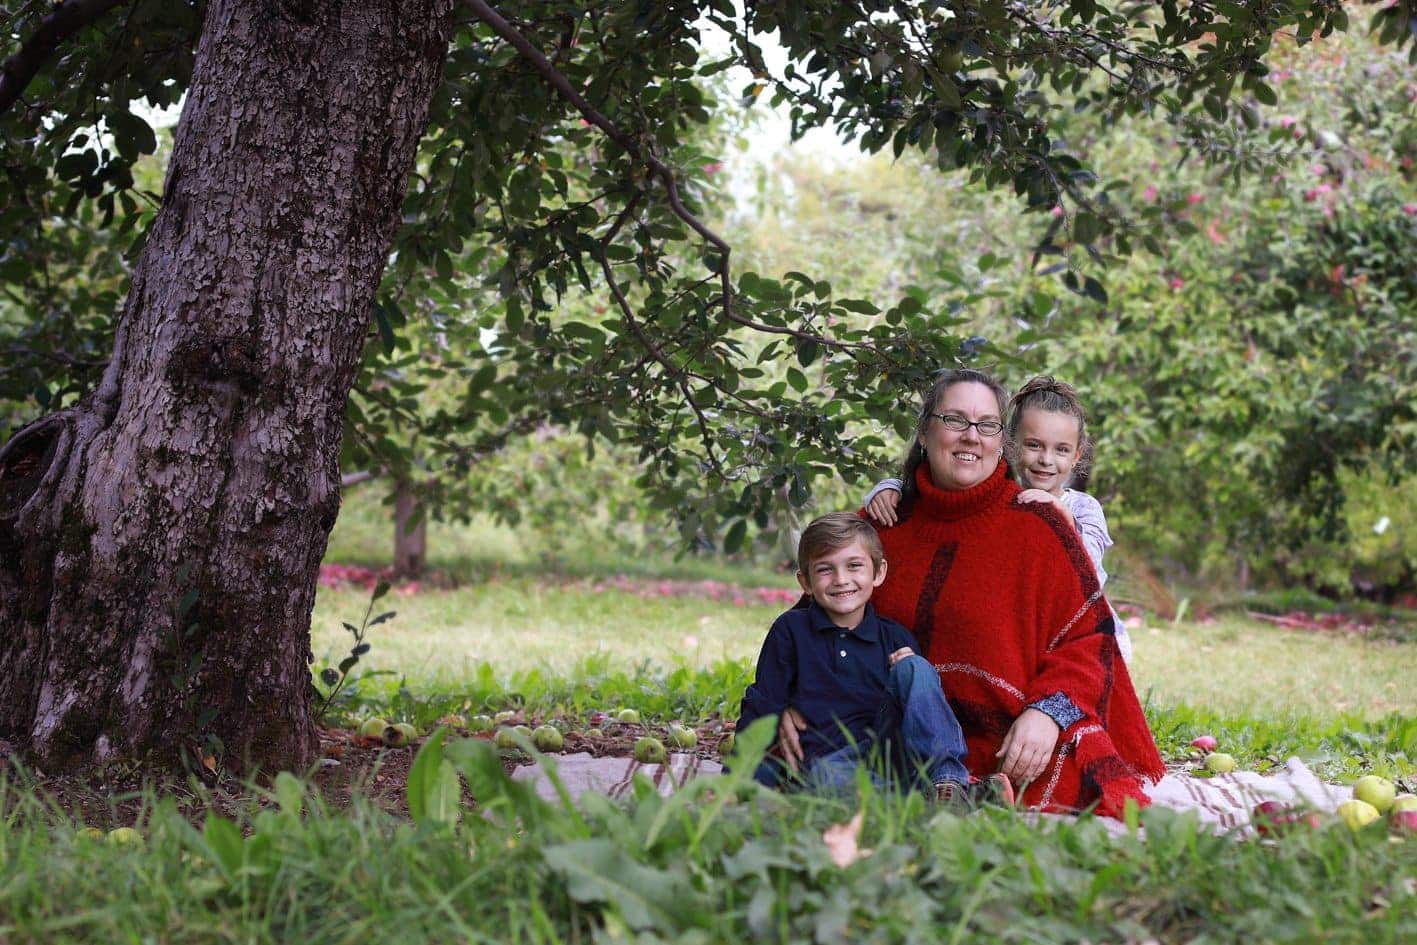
(1006, 605)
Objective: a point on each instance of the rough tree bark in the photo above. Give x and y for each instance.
(410, 542)
(160, 541)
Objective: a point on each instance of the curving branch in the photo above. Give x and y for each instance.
(68, 18)
(562, 85)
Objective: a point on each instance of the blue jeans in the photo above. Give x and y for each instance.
(917, 741)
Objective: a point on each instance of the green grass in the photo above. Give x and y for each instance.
(733, 864)
(697, 868)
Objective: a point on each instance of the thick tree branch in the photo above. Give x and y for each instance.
(67, 19)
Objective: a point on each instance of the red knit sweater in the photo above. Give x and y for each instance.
(1006, 604)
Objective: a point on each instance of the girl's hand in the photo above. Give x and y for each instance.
(899, 655)
(882, 507)
(1028, 746)
(788, 728)
(1028, 496)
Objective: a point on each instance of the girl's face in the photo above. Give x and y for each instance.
(962, 458)
(1048, 449)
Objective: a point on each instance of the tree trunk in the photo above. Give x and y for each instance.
(160, 541)
(410, 541)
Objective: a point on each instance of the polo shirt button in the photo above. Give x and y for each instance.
(843, 652)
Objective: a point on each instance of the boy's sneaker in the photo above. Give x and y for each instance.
(994, 790)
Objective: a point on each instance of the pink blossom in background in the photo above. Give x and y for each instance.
(1194, 198)
(1057, 211)
(713, 167)
(1177, 283)
(1287, 121)
(1149, 195)
(1410, 209)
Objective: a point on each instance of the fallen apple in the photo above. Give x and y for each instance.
(548, 738)
(505, 738)
(480, 723)
(725, 744)
(1403, 821)
(598, 718)
(1357, 814)
(399, 734)
(1274, 817)
(1404, 802)
(1205, 742)
(91, 833)
(1219, 762)
(453, 720)
(681, 736)
(373, 728)
(650, 750)
(628, 716)
(1380, 792)
(123, 836)
(504, 717)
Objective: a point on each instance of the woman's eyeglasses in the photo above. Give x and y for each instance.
(959, 424)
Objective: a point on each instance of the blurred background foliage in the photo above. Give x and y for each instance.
(1250, 377)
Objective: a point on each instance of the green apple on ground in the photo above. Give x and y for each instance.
(725, 744)
(681, 736)
(547, 738)
(91, 833)
(628, 716)
(1220, 762)
(124, 835)
(481, 723)
(1357, 814)
(504, 717)
(650, 751)
(373, 728)
(1380, 792)
(505, 738)
(453, 720)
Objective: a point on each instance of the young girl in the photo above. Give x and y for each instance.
(1047, 436)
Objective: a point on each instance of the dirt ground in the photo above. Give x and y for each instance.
(350, 765)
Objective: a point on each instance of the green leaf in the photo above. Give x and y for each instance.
(733, 541)
(600, 871)
(290, 793)
(224, 842)
(433, 790)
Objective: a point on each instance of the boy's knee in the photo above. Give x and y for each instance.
(905, 671)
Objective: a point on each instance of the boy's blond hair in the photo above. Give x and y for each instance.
(837, 530)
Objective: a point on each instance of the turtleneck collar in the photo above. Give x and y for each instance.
(939, 504)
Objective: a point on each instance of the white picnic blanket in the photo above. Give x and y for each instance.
(614, 777)
(1222, 803)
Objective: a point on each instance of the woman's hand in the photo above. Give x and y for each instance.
(1028, 746)
(789, 728)
(882, 507)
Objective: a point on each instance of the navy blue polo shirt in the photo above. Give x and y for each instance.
(836, 678)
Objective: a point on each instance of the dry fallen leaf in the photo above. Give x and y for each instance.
(841, 841)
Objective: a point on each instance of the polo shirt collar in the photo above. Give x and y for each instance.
(868, 629)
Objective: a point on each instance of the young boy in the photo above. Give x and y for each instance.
(851, 684)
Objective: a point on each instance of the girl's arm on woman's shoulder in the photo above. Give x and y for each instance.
(1091, 525)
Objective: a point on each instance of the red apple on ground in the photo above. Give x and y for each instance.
(1403, 821)
(1205, 742)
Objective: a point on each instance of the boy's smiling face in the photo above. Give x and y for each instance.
(841, 582)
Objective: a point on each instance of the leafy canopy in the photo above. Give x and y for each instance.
(556, 265)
